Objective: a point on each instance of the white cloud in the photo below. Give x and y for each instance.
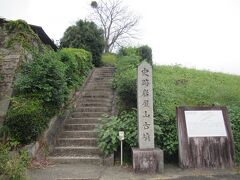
(195, 33)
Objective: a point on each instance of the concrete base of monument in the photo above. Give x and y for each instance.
(148, 160)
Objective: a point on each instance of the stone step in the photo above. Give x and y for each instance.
(76, 159)
(100, 84)
(104, 69)
(92, 109)
(79, 134)
(101, 74)
(95, 100)
(94, 104)
(98, 88)
(108, 90)
(79, 127)
(99, 77)
(76, 151)
(82, 120)
(98, 96)
(102, 78)
(87, 114)
(98, 93)
(77, 142)
(108, 70)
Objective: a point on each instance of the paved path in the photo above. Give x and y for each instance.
(93, 172)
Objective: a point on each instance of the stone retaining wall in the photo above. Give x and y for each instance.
(10, 59)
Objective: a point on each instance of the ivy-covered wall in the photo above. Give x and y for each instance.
(17, 40)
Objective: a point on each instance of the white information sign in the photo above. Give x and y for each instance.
(207, 123)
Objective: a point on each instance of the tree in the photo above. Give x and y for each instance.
(145, 52)
(85, 35)
(118, 23)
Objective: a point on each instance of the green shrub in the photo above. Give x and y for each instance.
(145, 52)
(108, 141)
(12, 166)
(85, 35)
(109, 59)
(78, 62)
(125, 81)
(127, 62)
(25, 119)
(45, 77)
(128, 51)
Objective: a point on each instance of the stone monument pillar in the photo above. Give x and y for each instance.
(146, 158)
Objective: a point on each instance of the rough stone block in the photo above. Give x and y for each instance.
(109, 160)
(148, 160)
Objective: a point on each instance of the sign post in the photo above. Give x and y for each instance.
(121, 138)
(146, 158)
(205, 138)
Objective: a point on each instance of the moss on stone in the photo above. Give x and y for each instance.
(20, 33)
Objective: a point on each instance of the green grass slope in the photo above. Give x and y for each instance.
(176, 86)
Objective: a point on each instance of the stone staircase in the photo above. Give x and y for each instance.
(77, 141)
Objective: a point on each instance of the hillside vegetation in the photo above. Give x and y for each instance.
(173, 86)
(177, 86)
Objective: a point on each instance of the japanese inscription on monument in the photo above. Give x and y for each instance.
(145, 106)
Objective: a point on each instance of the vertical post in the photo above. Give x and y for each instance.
(121, 138)
(145, 106)
(121, 152)
(146, 158)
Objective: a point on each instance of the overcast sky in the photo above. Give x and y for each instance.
(203, 34)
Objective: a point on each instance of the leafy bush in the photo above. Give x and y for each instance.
(128, 51)
(109, 59)
(42, 88)
(12, 166)
(125, 80)
(145, 52)
(85, 35)
(78, 62)
(108, 141)
(45, 77)
(26, 119)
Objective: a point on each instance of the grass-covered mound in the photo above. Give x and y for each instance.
(173, 86)
(177, 86)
